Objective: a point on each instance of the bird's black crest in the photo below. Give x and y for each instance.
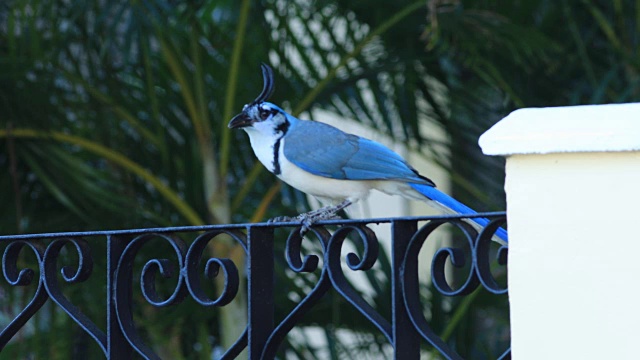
(269, 84)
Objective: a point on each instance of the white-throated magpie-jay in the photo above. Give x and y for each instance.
(330, 164)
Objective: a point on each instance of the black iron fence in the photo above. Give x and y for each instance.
(405, 327)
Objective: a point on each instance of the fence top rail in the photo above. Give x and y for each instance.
(173, 229)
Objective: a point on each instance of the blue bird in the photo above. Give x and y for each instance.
(331, 165)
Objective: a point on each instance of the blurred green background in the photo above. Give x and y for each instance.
(113, 115)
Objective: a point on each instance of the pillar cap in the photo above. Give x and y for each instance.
(585, 128)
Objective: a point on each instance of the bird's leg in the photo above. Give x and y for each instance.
(282, 219)
(326, 213)
(309, 218)
(312, 213)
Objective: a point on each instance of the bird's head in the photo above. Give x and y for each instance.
(261, 115)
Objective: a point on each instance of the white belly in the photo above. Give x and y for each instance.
(323, 187)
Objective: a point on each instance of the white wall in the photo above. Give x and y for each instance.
(573, 197)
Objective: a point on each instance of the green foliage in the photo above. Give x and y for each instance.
(113, 115)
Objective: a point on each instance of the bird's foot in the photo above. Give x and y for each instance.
(308, 219)
(326, 213)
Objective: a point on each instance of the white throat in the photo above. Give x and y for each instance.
(263, 146)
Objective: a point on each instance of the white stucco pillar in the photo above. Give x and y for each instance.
(573, 209)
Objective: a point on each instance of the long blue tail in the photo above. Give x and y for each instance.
(456, 206)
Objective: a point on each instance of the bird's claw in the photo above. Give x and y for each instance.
(308, 220)
(304, 227)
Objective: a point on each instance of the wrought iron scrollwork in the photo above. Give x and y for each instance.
(455, 255)
(212, 269)
(479, 273)
(123, 286)
(190, 264)
(482, 256)
(356, 263)
(309, 263)
(71, 275)
(23, 277)
(410, 281)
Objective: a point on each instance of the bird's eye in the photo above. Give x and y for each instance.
(264, 114)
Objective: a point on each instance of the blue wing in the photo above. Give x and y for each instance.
(326, 151)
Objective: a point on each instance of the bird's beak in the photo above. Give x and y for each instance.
(239, 121)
